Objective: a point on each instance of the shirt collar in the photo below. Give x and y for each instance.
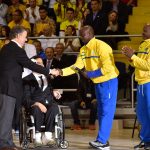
(147, 40)
(17, 43)
(89, 43)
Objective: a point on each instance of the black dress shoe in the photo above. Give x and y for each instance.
(11, 148)
(7, 148)
(17, 148)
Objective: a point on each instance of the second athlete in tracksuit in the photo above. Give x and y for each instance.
(141, 62)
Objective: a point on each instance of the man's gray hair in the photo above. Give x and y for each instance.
(14, 32)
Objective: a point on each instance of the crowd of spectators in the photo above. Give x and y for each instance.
(51, 18)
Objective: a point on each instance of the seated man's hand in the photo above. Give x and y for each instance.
(93, 101)
(56, 94)
(83, 105)
(41, 106)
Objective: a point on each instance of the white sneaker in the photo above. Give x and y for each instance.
(47, 138)
(99, 145)
(38, 141)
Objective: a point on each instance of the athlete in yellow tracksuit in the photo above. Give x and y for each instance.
(141, 62)
(97, 59)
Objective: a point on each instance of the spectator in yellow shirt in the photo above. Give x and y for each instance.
(69, 21)
(42, 22)
(60, 8)
(12, 8)
(4, 33)
(18, 20)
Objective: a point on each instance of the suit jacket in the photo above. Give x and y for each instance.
(66, 60)
(67, 81)
(12, 61)
(54, 64)
(33, 93)
(98, 24)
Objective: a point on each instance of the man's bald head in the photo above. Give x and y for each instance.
(86, 33)
(146, 31)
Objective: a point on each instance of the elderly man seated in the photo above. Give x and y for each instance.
(38, 96)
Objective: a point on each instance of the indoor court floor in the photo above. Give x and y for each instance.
(78, 140)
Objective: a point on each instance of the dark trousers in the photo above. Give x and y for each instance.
(47, 119)
(7, 106)
(75, 105)
(93, 112)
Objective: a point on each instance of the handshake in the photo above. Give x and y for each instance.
(56, 72)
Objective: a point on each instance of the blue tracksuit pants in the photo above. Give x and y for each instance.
(106, 94)
(143, 110)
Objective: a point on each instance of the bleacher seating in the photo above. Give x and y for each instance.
(140, 16)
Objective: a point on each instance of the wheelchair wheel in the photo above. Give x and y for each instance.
(64, 144)
(60, 132)
(22, 129)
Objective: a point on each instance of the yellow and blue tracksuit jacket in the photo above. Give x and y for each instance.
(97, 58)
(141, 62)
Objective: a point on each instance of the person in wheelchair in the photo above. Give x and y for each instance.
(38, 97)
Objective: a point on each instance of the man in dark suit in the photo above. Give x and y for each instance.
(70, 99)
(97, 18)
(12, 60)
(38, 98)
(64, 60)
(51, 62)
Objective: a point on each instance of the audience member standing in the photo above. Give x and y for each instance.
(97, 18)
(32, 13)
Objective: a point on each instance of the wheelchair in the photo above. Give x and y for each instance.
(27, 129)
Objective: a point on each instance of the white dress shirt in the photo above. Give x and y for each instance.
(30, 51)
(36, 12)
(45, 82)
(3, 12)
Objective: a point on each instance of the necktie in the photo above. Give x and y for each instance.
(42, 82)
(94, 16)
(48, 64)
